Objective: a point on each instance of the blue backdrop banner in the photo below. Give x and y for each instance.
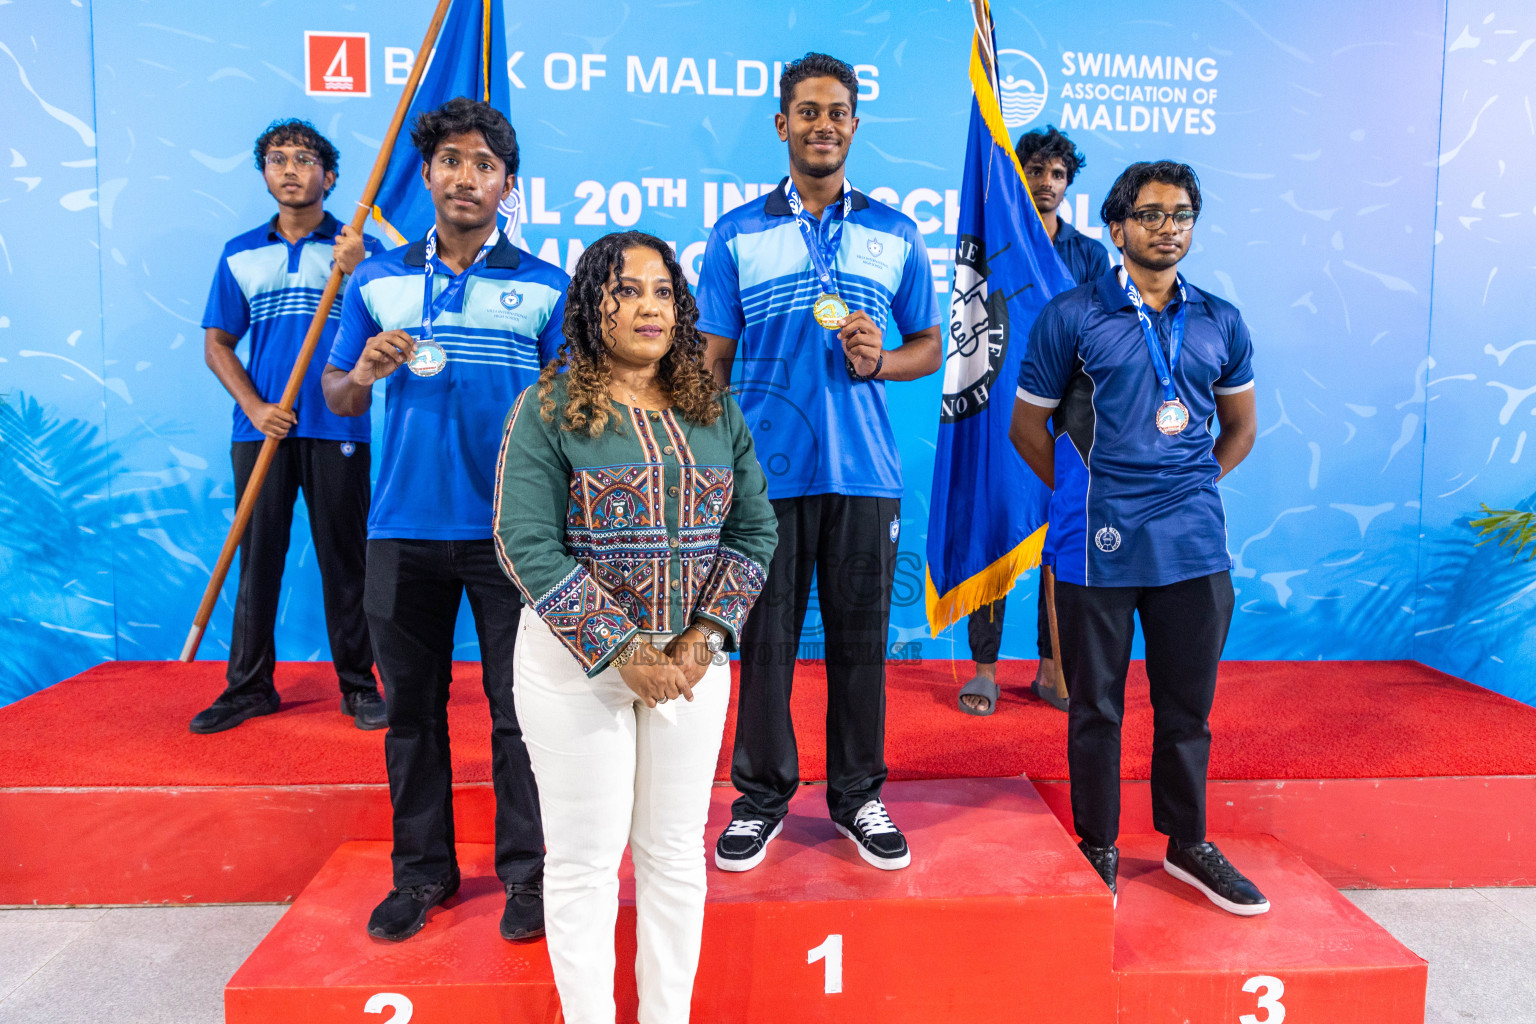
(1367, 208)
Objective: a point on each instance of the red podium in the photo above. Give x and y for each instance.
(998, 919)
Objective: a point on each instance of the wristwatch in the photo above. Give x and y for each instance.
(714, 640)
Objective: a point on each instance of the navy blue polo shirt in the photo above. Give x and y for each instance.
(1086, 259)
(817, 431)
(271, 287)
(442, 434)
(1133, 507)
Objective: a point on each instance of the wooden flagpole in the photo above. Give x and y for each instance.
(311, 340)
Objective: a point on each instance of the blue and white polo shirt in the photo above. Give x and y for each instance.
(817, 431)
(271, 287)
(437, 473)
(1133, 507)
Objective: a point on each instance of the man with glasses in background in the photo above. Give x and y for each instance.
(268, 286)
(1133, 368)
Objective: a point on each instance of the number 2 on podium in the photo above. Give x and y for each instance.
(831, 953)
(391, 1001)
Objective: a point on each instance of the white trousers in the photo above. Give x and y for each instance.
(611, 773)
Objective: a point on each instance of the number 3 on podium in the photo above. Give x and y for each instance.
(1269, 1001)
(831, 953)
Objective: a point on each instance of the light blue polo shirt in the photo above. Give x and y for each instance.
(271, 287)
(437, 469)
(817, 431)
(1133, 507)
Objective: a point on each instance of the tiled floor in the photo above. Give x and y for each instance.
(168, 965)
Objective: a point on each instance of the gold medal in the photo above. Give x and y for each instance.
(829, 311)
(1172, 417)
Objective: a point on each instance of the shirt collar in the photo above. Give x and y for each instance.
(778, 200)
(1065, 232)
(1111, 289)
(503, 255)
(329, 228)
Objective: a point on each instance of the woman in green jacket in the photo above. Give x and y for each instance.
(634, 517)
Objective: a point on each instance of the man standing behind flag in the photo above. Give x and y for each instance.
(1134, 367)
(987, 515)
(798, 288)
(472, 319)
(268, 286)
(1050, 163)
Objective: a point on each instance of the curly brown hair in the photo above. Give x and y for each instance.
(584, 353)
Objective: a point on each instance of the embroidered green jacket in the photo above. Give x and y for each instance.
(652, 525)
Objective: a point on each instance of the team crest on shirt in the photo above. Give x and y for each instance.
(511, 299)
(978, 334)
(1107, 539)
(875, 247)
(895, 528)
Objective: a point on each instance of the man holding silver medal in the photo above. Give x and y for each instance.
(472, 319)
(797, 290)
(1134, 367)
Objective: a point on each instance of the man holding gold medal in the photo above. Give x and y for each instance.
(1133, 369)
(471, 319)
(797, 292)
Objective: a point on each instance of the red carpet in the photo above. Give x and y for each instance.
(125, 724)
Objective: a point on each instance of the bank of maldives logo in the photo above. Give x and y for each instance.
(336, 63)
(1022, 88)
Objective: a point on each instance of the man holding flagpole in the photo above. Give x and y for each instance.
(799, 289)
(458, 324)
(1050, 162)
(987, 514)
(267, 287)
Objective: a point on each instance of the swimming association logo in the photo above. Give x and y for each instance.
(1107, 539)
(511, 299)
(978, 334)
(336, 63)
(1022, 87)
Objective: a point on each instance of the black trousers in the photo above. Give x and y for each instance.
(984, 629)
(336, 490)
(414, 587)
(1185, 627)
(846, 544)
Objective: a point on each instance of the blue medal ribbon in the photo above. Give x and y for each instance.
(822, 247)
(432, 308)
(1162, 366)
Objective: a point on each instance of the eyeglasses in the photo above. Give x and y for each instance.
(280, 160)
(1153, 220)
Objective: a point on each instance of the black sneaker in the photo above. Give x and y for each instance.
(523, 920)
(226, 714)
(404, 910)
(366, 709)
(744, 843)
(1204, 867)
(879, 841)
(1106, 861)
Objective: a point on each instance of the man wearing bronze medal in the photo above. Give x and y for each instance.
(797, 292)
(1133, 369)
(472, 319)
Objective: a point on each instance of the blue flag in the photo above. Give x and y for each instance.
(987, 520)
(470, 60)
